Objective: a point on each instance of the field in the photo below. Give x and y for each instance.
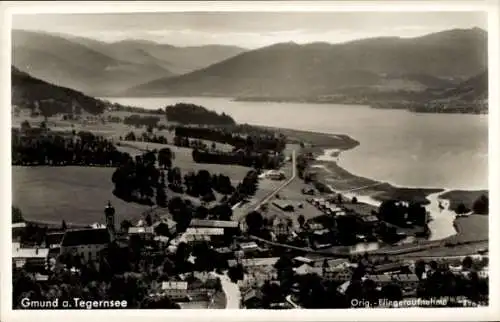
(474, 227)
(79, 194)
(76, 194)
(184, 160)
(467, 197)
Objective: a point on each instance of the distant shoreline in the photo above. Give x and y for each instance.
(388, 106)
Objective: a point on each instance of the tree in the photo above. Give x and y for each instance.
(301, 220)
(125, 225)
(419, 268)
(461, 209)
(392, 292)
(63, 225)
(201, 212)
(467, 262)
(161, 196)
(17, 215)
(354, 200)
(162, 229)
(254, 221)
(481, 205)
(25, 125)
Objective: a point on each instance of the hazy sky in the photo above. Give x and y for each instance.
(249, 29)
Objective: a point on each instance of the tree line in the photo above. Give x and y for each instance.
(82, 148)
(259, 161)
(140, 121)
(226, 136)
(185, 113)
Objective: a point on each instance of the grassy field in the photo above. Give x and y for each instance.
(75, 194)
(184, 160)
(467, 197)
(474, 227)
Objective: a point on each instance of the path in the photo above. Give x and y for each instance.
(232, 291)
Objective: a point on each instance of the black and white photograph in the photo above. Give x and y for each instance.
(249, 159)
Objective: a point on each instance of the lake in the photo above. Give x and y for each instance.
(400, 147)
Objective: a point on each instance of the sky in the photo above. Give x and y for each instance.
(248, 29)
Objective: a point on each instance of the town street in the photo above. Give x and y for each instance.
(232, 291)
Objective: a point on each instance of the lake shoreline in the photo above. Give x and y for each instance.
(327, 150)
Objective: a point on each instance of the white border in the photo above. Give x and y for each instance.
(482, 314)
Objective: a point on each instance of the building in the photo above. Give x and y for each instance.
(249, 247)
(205, 231)
(381, 280)
(214, 223)
(284, 205)
(337, 274)
(195, 239)
(254, 262)
(282, 226)
(406, 281)
(34, 257)
(389, 267)
(275, 175)
(18, 229)
(143, 232)
(53, 240)
(88, 243)
(175, 290)
(252, 299)
(332, 262)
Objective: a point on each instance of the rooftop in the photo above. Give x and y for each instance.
(197, 238)
(247, 262)
(171, 285)
(141, 230)
(19, 225)
(205, 231)
(30, 253)
(360, 208)
(405, 277)
(213, 223)
(369, 218)
(86, 237)
(380, 278)
(249, 245)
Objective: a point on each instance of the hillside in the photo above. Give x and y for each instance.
(472, 89)
(292, 70)
(29, 92)
(178, 60)
(67, 63)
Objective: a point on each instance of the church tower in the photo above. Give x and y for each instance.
(109, 212)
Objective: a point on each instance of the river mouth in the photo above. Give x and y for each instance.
(441, 225)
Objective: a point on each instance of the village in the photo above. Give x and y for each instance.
(276, 242)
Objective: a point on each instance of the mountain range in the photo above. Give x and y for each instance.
(30, 92)
(383, 64)
(450, 63)
(104, 69)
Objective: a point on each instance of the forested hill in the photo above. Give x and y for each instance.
(30, 92)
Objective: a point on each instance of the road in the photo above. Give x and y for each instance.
(286, 183)
(240, 210)
(232, 291)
